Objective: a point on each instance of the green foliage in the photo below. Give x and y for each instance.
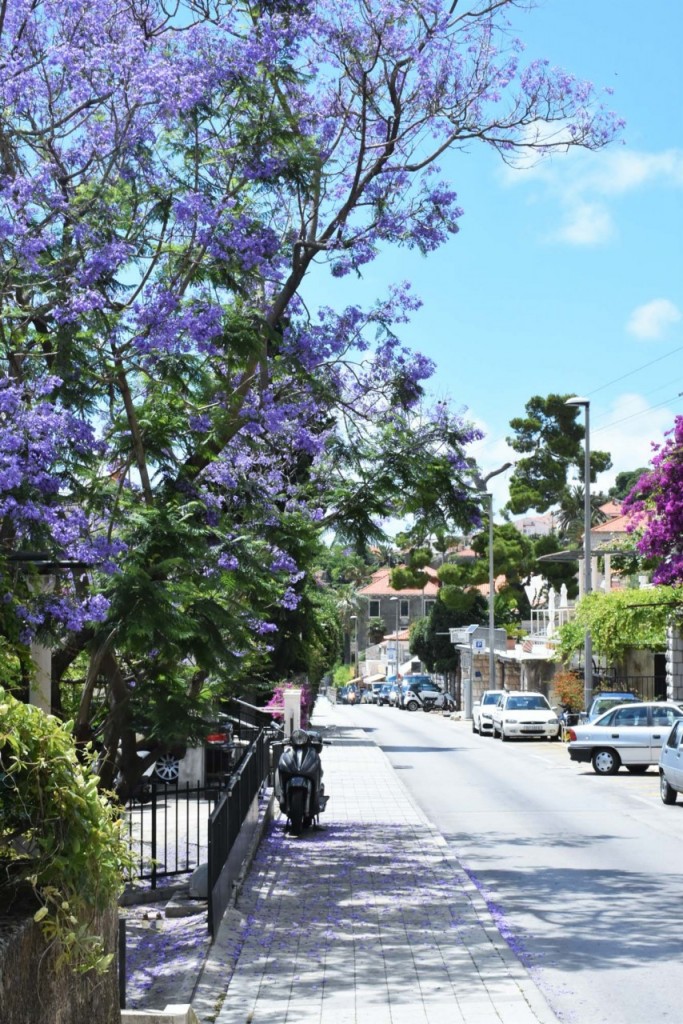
(620, 620)
(57, 832)
(550, 439)
(429, 639)
(375, 630)
(342, 674)
(625, 482)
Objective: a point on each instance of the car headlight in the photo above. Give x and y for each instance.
(553, 721)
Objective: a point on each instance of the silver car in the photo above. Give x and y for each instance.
(629, 734)
(671, 764)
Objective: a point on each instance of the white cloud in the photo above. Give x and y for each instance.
(627, 429)
(586, 224)
(583, 182)
(653, 318)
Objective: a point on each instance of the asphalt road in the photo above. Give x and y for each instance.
(584, 874)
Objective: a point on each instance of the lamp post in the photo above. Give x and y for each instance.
(492, 596)
(397, 613)
(587, 581)
(481, 487)
(354, 653)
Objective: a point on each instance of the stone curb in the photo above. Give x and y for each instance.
(175, 1013)
(211, 977)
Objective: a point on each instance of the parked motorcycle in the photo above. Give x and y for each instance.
(298, 781)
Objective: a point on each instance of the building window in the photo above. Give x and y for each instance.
(428, 606)
(374, 609)
(404, 611)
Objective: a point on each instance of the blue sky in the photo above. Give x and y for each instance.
(567, 277)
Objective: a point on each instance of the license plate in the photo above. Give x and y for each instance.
(532, 728)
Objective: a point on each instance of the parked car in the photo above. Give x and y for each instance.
(671, 764)
(523, 714)
(368, 696)
(482, 711)
(426, 695)
(631, 734)
(605, 700)
(384, 691)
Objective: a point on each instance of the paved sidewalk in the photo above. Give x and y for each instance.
(367, 920)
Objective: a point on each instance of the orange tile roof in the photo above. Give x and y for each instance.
(611, 509)
(483, 588)
(616, 525)
(380, 585)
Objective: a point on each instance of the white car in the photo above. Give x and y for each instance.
(522, 714)
(630, 734)
(482, 711)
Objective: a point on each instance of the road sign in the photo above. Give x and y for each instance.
(478, 644)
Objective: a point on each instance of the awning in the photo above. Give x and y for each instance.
(379, 678)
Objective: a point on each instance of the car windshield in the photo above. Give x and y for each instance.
(490, 698)
(533, 702)
(599, 706)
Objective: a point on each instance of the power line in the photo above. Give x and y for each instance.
(637, 370)
(635, 415)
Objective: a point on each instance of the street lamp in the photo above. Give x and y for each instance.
(481, 487)
(397, 613)
(354, 657)
(492, 596)
(587, 582)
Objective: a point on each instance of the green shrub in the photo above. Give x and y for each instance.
(568, 689)
(58, 833)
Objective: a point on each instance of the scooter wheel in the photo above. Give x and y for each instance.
(296, 811)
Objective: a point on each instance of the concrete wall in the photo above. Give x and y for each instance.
(33, 991)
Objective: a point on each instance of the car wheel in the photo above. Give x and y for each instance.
(412, 705)
(606, 762)
(637, 769)
(667, 794)
(503, 734)
(494, 732)
(474, 728)
(167, 768)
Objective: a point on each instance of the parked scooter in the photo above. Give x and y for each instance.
(437, 701)
(298, 781)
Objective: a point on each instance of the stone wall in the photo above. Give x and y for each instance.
(33, 991)
(674, 663)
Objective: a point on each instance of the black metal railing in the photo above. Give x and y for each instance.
(227, 818)
(647, 687)
(168, 829)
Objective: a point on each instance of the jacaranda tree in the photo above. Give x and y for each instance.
(177, 428)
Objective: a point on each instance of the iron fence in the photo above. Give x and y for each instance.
(228, 816)
(646, 687)
(168, 829)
